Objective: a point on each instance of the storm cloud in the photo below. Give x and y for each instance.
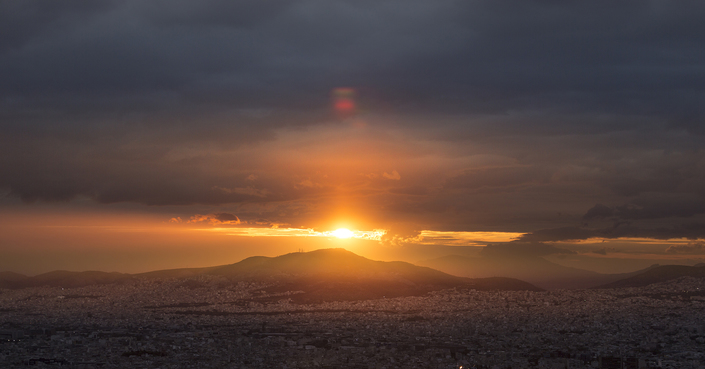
(472, 56)
(512, 115)
(691, 231)
(684, 207)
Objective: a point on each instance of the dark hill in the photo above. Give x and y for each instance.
(12, 280)
(338, 274)
(321, 275)
(173, 273)
(658, 274)
(328, 262)
(62, 278)
(533, 269)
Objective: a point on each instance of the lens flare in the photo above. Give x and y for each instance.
(344, 101)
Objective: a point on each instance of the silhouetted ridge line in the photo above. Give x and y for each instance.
(338, 274)
(63, 278)
(321, 275)
(658, 274)
(533, 269)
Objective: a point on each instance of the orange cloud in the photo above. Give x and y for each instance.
(276, 231)
(428, 237)
(393, 176)
(215, 218)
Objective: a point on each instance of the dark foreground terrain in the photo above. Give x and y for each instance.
(203, 322)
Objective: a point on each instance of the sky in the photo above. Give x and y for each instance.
(139, 135)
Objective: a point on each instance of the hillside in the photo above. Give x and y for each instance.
(338, 274)
(533, 269)
(62, 278)
(658, 274)
(12, 280)
(322, 275)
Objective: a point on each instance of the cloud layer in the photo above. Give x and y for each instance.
(470, 115)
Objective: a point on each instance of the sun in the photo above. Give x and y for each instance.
(343, 233)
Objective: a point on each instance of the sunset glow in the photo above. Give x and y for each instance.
(302, 125)
(343, 233)
(465, 238)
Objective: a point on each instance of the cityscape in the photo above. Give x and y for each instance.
(212, 321)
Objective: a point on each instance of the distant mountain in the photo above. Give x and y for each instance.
(322, 275)
(533, 269)
(338, 274)
(658, 274)
(61, 278)
(173, 273)
(12, 280)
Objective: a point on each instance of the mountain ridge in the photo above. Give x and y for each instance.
(322, 275)
(658, 274)
(533, 269)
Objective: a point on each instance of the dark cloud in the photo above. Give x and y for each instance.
(649, 208)
(499, 177)
(470, 56)
(560, 234)
(668, 171)
(687, 230)
(46, 170)
(21, 22)
(599, 211)
(532, 111)
(211, 13)
(226, 217)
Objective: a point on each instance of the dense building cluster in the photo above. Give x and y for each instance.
(208, 322)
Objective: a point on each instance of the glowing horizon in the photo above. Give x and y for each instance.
(340, 233)
(423, 237)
